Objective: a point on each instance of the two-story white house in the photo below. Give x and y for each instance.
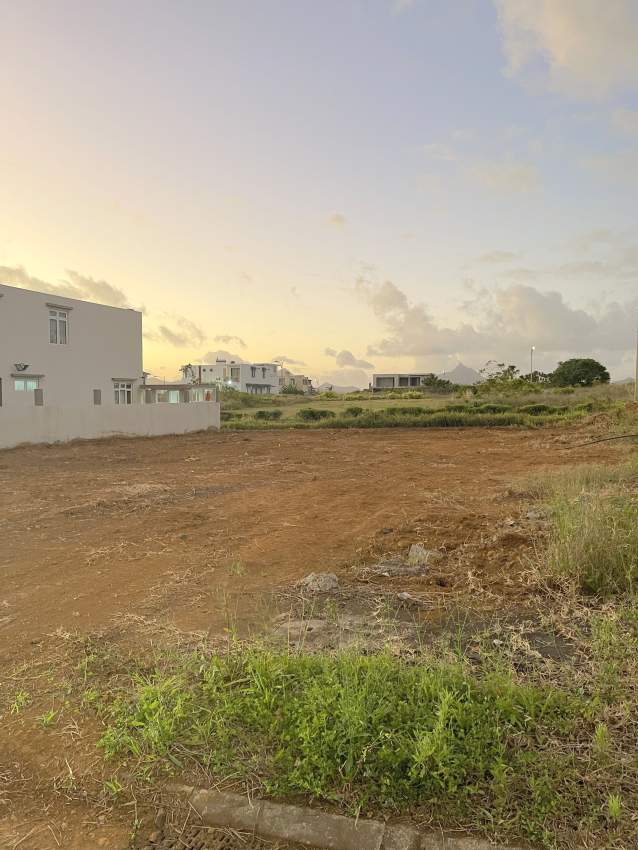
(71, 368)
(255, 378)
(68, 352)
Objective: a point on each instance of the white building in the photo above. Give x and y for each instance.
(403, 380)
(299, 382)
(256, 378)
(72, 368)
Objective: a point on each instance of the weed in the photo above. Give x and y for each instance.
(614, 807)
(48, 718)
(236, 568)
(113, 787)
(594, 542)
(20, 701)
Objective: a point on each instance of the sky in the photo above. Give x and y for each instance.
(350, 186)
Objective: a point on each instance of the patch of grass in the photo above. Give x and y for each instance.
(367, 732)
(594, 542)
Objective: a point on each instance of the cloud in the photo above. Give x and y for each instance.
(220, 354)
(229, 338)
(505, 321)
(402, 5)
(283, 358)
(345, 358)
(345, 378)
(338, 220)
(617, 167)
(582, 48)
(177, 331)
(495, 257)
(75, 285)
(440, 151)
(506, 177)
(625, 121)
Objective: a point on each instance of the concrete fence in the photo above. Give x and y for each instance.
(51, 424)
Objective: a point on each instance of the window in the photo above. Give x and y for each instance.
(22, 385)
(58, 327)
(234, 373)
(123, 392)
(253, 371)
(263, 371)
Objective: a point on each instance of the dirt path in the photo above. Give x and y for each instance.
(91, 530)
(185, 532)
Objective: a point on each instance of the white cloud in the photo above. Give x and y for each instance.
(496, 257)
(177, 331)
(625, 121)
(504, 322)
(345, 358)
(506, 177)
(582, 48)
(220, 354)
(226, 338)
(75, 285)
(283, 358)
(616, 167)
(439, 151)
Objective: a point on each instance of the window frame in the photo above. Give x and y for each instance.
(123, 390)
(58, 326)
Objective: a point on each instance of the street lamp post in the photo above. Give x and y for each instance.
(531, 362)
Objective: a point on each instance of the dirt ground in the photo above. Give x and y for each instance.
(143, 537)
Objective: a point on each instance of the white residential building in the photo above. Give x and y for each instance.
(72, 368)
(256, 378)
(299, 382)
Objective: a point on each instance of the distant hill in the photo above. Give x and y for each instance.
(461, 374)
(624, 381)
(322, 388)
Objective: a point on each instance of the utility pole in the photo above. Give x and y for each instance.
(531, 363)
(636, 375)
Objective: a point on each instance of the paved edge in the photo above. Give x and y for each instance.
(316, 828)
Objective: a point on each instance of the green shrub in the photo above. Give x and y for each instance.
(310, 414)
(491, 407)
(268, 415)
(412, 394)
(585, 407)
(328, 394)
(459, 408)
(353, 411)
(405, 410)
(536, 409)
(226, 415)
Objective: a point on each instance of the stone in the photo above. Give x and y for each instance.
(320, 583)
(393, 568)
(419, 556)
(534, 516)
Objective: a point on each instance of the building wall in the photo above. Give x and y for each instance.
(240, 376)
(103, 343)
(56, 423)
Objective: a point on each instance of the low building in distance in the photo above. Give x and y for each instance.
(255, 378)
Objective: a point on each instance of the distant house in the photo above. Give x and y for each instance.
(299, 382)
(73, 369)
(255, 378)
(402, 380)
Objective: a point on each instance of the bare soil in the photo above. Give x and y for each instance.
(144, 540)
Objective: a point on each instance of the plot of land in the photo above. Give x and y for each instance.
(144, 538)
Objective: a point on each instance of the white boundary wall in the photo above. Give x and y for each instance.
(51, 424)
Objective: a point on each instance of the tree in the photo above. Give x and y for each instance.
(580, 372)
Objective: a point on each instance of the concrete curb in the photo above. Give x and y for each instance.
(315, 828)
